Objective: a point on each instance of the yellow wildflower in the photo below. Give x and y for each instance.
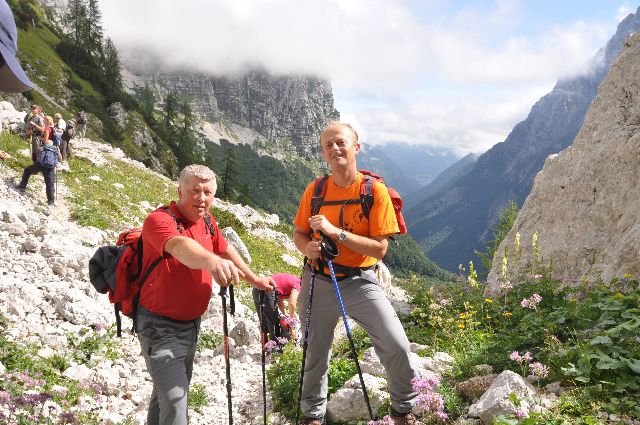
(627, 276)
(507, 314)
(489, 300)
(460, 325)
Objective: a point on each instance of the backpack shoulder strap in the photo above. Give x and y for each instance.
(209, 225)
(319, 191)
(366, 194)
(179, 221)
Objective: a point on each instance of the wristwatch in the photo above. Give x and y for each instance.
(342, 236)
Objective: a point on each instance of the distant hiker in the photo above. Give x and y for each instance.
(361, 242)
(177, 292)
(60, 134)
(47, 133)
(48, 157)
(81, 124)
(12, 77)
(277, 322)
(34, 130)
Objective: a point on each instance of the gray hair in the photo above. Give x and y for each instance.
(198, 171)
(343, 124)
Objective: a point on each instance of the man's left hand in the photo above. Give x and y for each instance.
(319, 223)
(265, 283)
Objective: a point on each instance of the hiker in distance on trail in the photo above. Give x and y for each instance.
(47, 156)
(361, 243)
(177, 293)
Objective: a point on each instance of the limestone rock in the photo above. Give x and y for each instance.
(259, 105)
(245, 333)
(584, 202)
(347, 404)
(232, 237)
(119, 114)
(473, 388)
(495, 401)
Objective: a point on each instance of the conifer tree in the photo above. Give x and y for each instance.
(111, 67)
(148, 101)
(170, 108)
(186, 132)
(77, 17)
(228, 172)
(93, 43)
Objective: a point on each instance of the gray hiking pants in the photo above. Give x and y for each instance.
(366, 303)
(169, 348)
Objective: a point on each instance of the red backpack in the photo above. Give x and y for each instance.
(366, 198)
(117, 270)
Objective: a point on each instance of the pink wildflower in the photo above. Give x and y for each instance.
(539, 370)
(527, 357)
(515, 356)
(537, 276)
(524, 303)
(536, 298)
(521, 413)
(291, 321)
(270, 345)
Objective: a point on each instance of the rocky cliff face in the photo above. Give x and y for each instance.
(584, 202)
(453, 224)
(296, 108)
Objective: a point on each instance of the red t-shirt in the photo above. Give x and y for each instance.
(286, 282)
(174, 290)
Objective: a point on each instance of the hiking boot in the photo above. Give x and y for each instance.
(403, 418)
(20, 188)
(312, 421)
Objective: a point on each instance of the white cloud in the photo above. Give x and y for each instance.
(464, 123)
(382, 50)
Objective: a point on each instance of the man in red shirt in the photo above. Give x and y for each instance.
(178, 290)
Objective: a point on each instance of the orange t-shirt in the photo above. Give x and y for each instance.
(382, 218)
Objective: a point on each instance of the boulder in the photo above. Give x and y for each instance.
(495, 401)
(348, 404)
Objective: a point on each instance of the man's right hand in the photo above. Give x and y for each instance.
(224, 272)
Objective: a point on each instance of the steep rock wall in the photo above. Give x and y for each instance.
(296, 107)
(584, 203)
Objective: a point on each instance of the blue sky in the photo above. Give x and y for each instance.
(452, 74)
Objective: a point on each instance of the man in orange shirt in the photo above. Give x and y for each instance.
(362, 242)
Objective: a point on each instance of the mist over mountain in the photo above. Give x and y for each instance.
(406, 167)
(453, 223)
(442, 182)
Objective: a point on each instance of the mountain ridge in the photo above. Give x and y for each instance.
(453, 224)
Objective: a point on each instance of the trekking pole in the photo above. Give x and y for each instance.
(263, 340)
(55, 179)
(332, 254)
(225, 327)
(306, 342)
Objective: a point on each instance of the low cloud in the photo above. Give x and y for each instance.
(373, 47)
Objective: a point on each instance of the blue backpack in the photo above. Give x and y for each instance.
(49, 156)
(57, 138)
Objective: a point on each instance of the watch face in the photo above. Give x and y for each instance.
(342, 236)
